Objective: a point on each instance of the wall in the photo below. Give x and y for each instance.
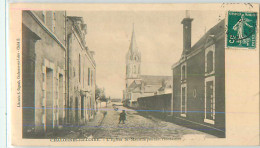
(196, 81)
(176, 90)
(159, 104)
(60, 17)
(220, 84)
(43, 59)
(28, 78)
(81, 77)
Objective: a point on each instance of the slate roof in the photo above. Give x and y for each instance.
(168, 84)
(214, 31)
(151, 88)
(148, 83)
(135, 86)
(154, 80)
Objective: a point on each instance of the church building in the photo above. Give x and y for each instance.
(137, 85)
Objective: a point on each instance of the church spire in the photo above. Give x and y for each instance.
(133, 59)
(133, 46)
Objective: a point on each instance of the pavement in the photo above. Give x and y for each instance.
(138, 126)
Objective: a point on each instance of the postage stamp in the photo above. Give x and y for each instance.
(242, 28)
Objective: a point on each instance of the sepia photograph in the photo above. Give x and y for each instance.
(130, 75)
(160, 87)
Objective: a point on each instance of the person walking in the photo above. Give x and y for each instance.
(122, 117)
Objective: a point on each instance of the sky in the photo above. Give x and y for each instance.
(158, 36)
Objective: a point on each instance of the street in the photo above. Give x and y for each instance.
(105, 125)
(137, 126)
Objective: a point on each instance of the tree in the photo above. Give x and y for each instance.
(97, 92)
(100, 94)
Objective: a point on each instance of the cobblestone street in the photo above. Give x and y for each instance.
(137, 126)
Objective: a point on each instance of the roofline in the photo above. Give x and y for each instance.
(198, 50)
(201, 47)
(46, 29)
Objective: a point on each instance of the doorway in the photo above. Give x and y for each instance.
(49, 99)
(76, 110)
(61, 101)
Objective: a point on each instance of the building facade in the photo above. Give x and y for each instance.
(199, 79)
(58, 74)
(43, 74)
(81, 73)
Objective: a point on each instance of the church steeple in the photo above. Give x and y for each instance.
(133, 59)
(133, 46)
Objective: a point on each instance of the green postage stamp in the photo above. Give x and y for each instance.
(241, 31)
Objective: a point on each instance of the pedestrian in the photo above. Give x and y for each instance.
(122, 117)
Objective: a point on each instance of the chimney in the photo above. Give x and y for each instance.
(186, 22)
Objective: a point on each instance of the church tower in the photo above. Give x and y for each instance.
(133, 61)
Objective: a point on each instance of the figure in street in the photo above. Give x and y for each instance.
(122, 117)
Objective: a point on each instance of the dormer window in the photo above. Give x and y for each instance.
(210, 60)
(183, 72)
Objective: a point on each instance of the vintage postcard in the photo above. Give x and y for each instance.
(134, 74)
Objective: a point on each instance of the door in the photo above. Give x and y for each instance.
(49, 99)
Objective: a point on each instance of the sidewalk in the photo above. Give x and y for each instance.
(81, 131)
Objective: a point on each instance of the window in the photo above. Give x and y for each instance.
(74, 72)
(91, 77)
(210, 60)
(183, 69)
(82, 107)
(83, 75)
(183, 100)
(88, 76)
(209, 115)
(79, 68)
(44, 16)
(53, 21)
(134, 69)
(64, 26)
(43, 119)
(194, 93)
(183, 72)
